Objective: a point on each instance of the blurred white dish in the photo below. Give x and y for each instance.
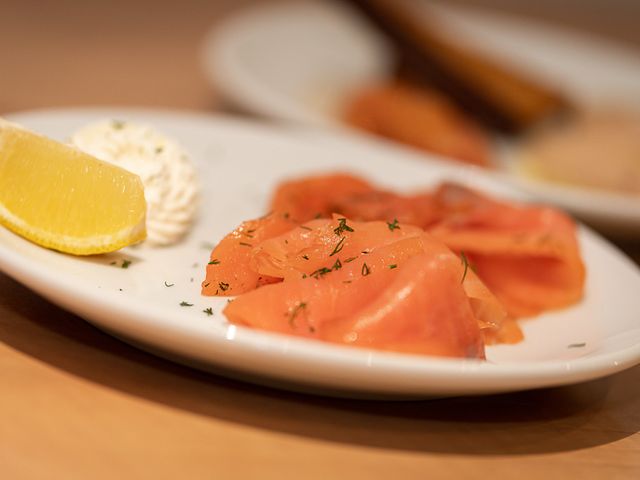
(298, 62)
(239, 164)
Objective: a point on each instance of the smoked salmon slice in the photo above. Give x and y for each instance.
(228, 271)
(320, 245)
(419, 117)
(527, 255)
(313, 197)
(416, 305)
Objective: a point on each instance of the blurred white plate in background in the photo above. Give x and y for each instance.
(239, 164)
(298, 62)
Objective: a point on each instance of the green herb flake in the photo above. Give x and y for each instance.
(350, 259)
(223, 286)
(465, 262)
(320, 272)
(337, 265)
(245, 244)
(125, 263)
(168, 284)
(393, 225)
(186, 304)
(208, 311)
(306, 257)
(215, 261)
(342, 227)
(295, 311)
(338, 247)
(392, 266)
(365, 270)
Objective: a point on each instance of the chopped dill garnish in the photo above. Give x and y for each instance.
(465, 262)
(338, 247)
(365, 270)
(215, 261)
(392, 266)
(223, 286)
(295, 311)
(206, 284)
(304, 227)
(350, 259)
(168, 284)
(186, 304)
(577, 345)
(365, 252)
(208, 311)
(393, 225)
(320, 272)
(305, 256)
(126, 263)
(337, 265)
(248, 234)
(245, 244)
(342, 227)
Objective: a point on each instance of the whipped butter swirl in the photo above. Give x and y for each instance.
(169, 178)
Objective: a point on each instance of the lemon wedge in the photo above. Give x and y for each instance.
(60, 198)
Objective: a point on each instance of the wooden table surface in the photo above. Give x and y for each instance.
(77, 404)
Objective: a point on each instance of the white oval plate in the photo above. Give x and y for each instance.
(239, 165)
(298, 61)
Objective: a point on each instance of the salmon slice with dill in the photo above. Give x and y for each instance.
(527, 255)
(319, 246)
(314, 197)
(416, 305)
(228, 270)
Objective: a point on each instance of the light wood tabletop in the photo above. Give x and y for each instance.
(75, 403)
